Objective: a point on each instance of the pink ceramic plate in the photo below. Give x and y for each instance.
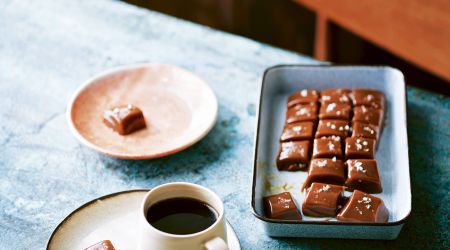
(179, 109)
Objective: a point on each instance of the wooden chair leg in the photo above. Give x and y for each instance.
(321, 37)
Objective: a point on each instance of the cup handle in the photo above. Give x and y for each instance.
(216, 243)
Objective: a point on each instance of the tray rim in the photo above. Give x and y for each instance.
(256, 141)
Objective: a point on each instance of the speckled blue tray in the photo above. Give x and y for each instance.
(392, 154)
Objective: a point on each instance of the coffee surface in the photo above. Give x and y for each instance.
(181, 216)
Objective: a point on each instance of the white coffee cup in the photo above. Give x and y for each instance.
(212, 238)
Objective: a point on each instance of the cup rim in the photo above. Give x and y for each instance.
(218, 220)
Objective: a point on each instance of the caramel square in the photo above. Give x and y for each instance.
(363, 175)
(322, 200)
(304, 96)
(281, 206)
(368, 97)
(341, 96)
(298, 131)
(359, 148)
(330, 171)
(125, 119)
(364, 207)
(327, 148)
(368, 115)
(335, 111)
(302, 112)
(365, 130)
(339, 128)
(102, 245)
(293, 156)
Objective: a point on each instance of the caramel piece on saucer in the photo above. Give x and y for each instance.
(359, 148)
(124, 120)
(322, 200)
(293, 156)
(363, 175)
(102, 245)
(281, 206)
(364, 207)
(303, 97)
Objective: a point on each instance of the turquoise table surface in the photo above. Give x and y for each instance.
(48, 48)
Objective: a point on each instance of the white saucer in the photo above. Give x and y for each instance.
(179, 109)
(112, 217)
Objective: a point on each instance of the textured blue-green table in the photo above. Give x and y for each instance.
(47, 48)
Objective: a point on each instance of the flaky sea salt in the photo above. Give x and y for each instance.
(297, 128)
(358, 166)
(330, 107)
(322, 163)
(302, 111)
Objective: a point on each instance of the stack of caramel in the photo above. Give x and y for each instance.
(333, 134)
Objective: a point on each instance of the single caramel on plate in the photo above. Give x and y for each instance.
(178, 107)
(102, 245)
(124, 119)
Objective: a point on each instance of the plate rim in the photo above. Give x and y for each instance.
(89, 203)
(86, 204)
(129, 156)
(256, 141)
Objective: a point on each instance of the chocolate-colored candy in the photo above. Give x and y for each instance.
(322, 200)
(327, 148)
(365, 130)
(281, 206)
(335, 96)
(302, 112)
(339, 128)
(124, 120)
(102, 245)
(369, 97)
(293, 156)
(363, 175)
(323, 170)
(303, 97)
(359, 148)
(335, 111)
(368, 115)
(298, 131)
(364, 207)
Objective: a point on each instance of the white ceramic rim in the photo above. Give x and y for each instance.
(102, 150)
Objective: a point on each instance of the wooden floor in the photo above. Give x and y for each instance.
(287, 25)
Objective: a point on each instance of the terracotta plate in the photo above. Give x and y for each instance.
(179, 109)
(113, 217)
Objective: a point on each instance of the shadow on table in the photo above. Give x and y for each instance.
(219, 142)
(427, 226)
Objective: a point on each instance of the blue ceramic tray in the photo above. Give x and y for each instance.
(392, 153)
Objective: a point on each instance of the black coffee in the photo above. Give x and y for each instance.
(181, 216)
